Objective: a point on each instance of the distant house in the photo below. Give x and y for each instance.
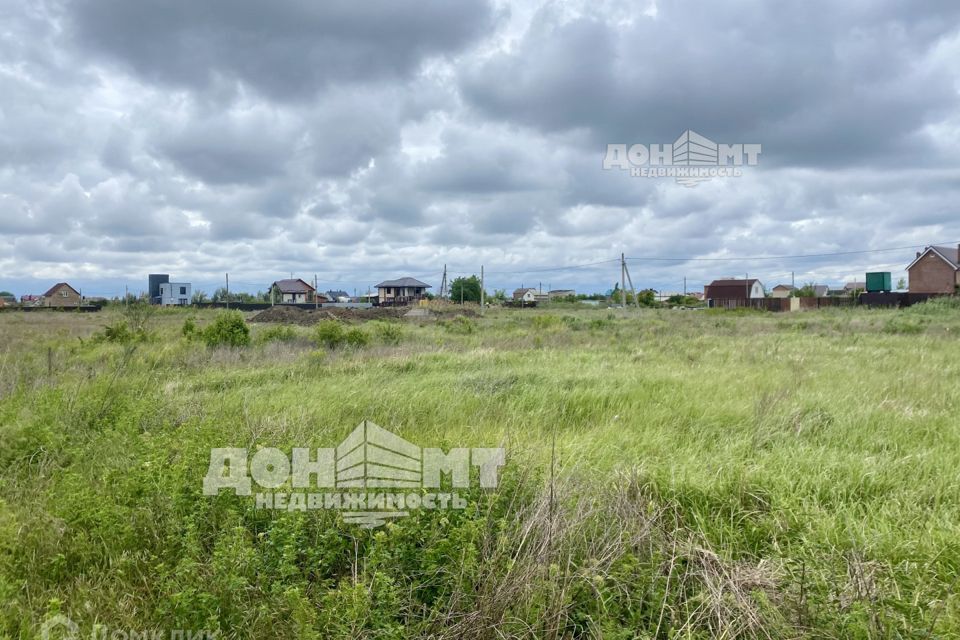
(175, 294)
(61, 295)
(935, 270)
(850, 287)
(293, 291)
(525, 295)
(401, 291)
(734, 289)
(7, 300)
(820, 290)
(561, 293)
(30, 300)
(782, 291)
(337, 295)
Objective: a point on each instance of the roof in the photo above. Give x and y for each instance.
(733, 282)
(402, 282)
(788, 287)
(292, 286)
(339, 293)
(820, 290)
(951, 255)
(54, 288)
(850, 286)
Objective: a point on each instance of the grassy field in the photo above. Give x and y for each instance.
(670, 474)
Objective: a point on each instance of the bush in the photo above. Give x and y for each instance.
(904, 325)
(936, 306)
(460, 324)
(357, 337)
(229, 328)
(117, 332)
(329, 334)
(387, 332)
(189, 329)
(278, 333)
(546, 321)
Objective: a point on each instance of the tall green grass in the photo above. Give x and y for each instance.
(669, 474)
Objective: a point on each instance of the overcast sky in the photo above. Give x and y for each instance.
(367, 140)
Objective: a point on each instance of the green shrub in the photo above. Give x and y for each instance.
(460, 324)
(229, 328)
(278, 333)
(387, 332)
(545, 321)
(329, 334)
(357, 337)
(936, 306)
(189, 329)
(120, 332)
(904, 325)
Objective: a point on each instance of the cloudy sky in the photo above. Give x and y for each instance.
(365, 140)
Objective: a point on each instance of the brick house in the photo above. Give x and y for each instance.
(61, 295)
(935, 270)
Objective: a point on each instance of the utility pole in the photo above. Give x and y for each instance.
(482, 293)
(443, 284)
(316, 298)
(684, 286)
(623, 281)
(636, 298)
(228, 291)
(793, 282)
(126, 295)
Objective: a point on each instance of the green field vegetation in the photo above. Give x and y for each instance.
(670, 474)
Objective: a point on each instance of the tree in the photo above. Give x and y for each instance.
(901, 284)
(198, 297)
(465, 289)
(806, 291)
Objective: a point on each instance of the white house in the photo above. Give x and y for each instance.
(525, 295)
(175, 293)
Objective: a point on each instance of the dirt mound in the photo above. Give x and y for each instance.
(305, 317)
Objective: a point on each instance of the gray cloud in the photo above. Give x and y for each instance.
(361, 140)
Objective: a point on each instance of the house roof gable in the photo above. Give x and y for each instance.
(403, 282)
(950, 255)
(295, 285)
(54, 288)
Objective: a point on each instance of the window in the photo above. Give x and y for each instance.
(64, 293)
(183, 291)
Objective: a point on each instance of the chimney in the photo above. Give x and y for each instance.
(918, 254)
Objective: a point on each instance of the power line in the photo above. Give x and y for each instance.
(793, 257)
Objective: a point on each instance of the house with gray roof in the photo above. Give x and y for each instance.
(936, 269)
(401, 291)
(293, 291)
